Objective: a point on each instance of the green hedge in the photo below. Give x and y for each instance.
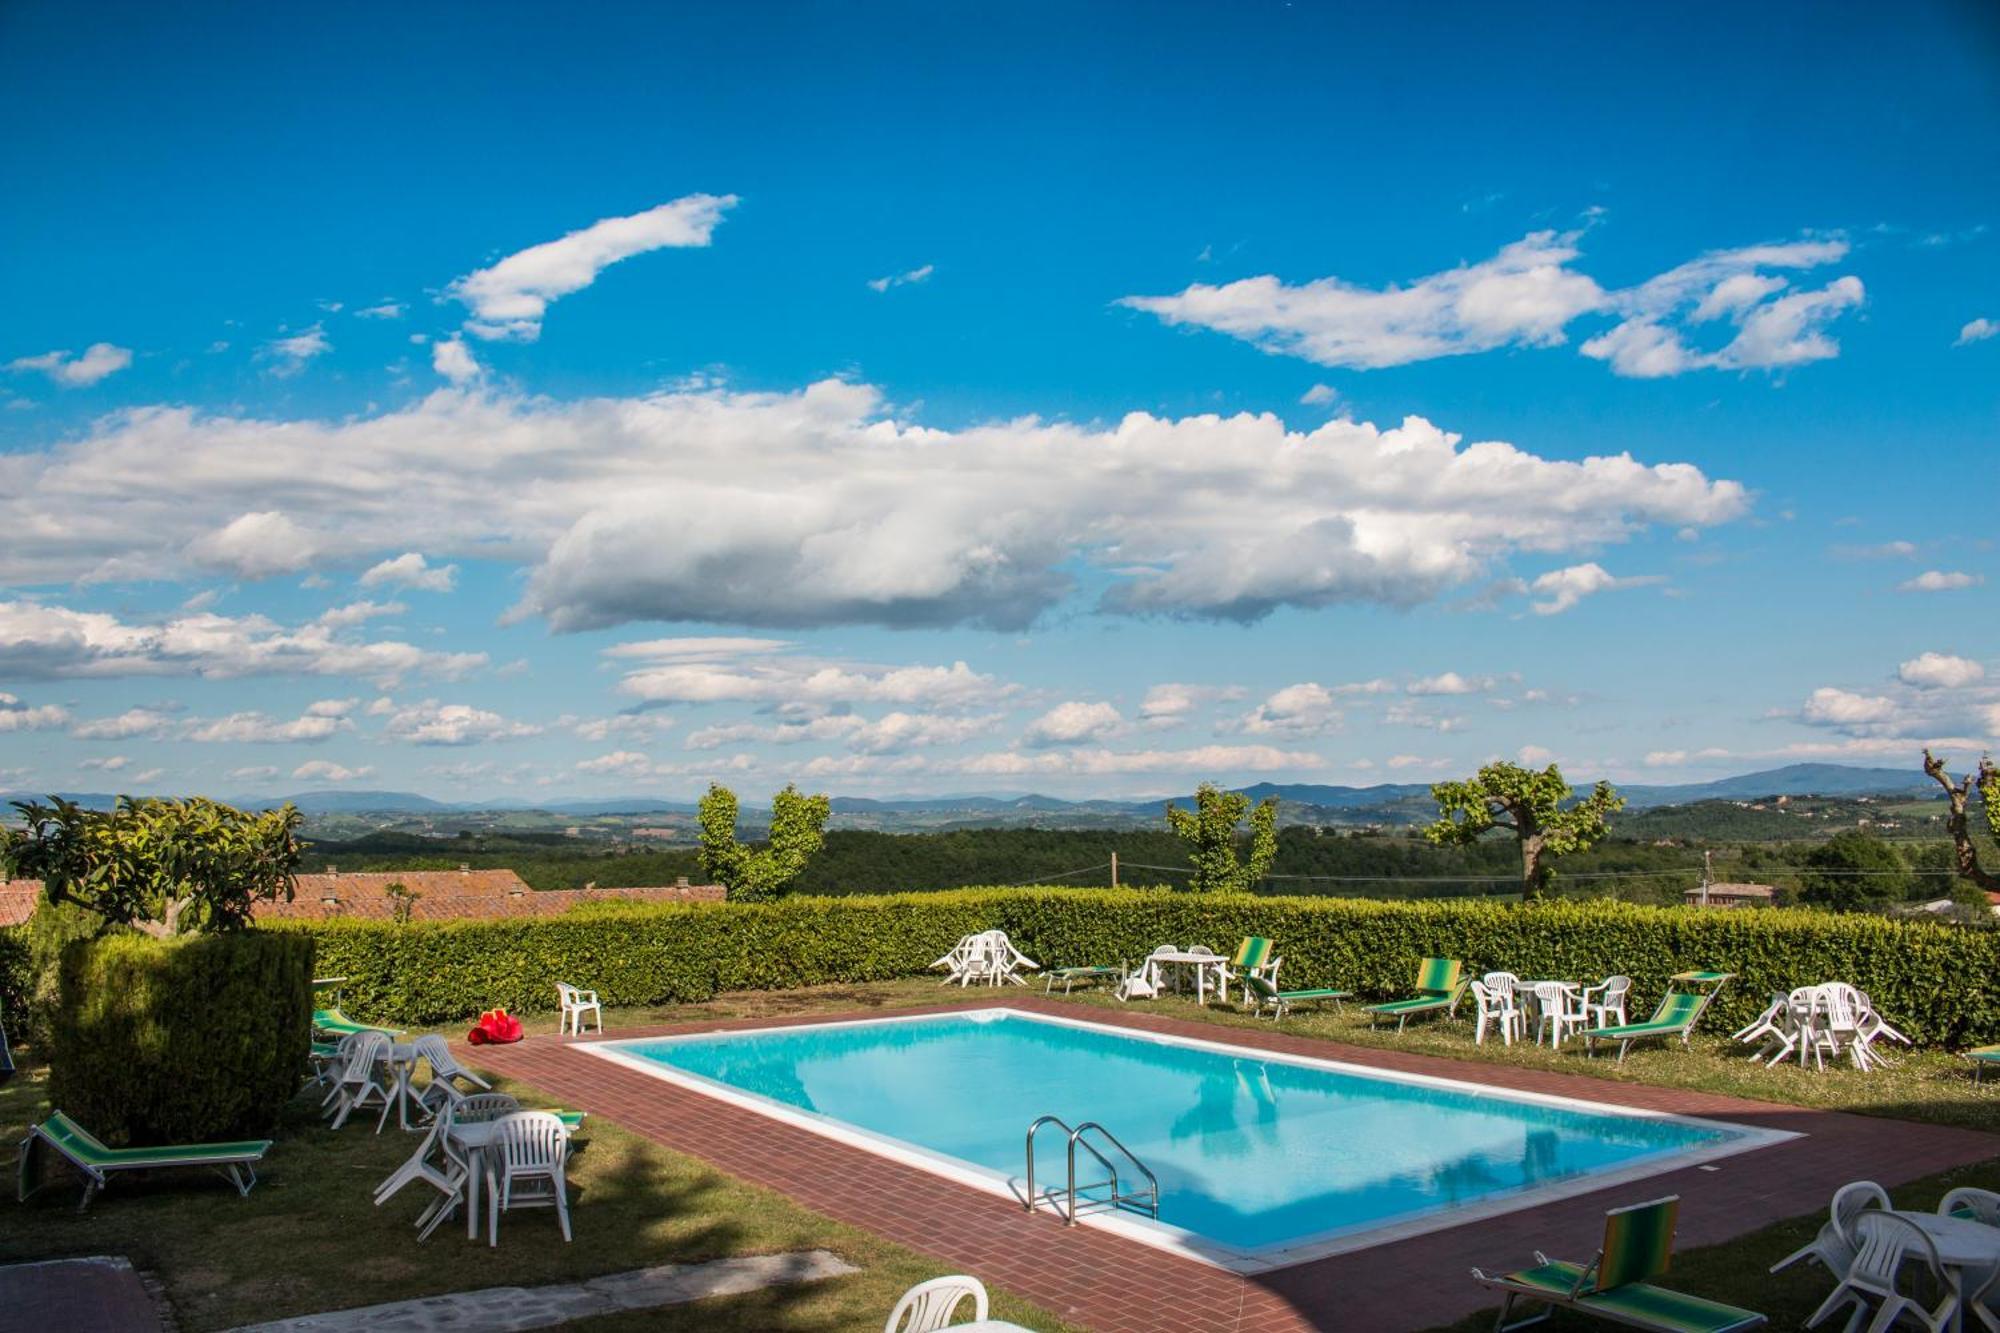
(192, 1040)
(1934, 981)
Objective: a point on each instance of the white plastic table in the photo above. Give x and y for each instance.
(1201, 963)
(402, 1060)
(1524, 994)
(1963, 1243)
(474, 1139)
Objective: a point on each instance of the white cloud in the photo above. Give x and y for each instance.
(509, 299)
(75, 372)
(1978, 330)
(1171, 702)
(1305, 709)
(1217, 761)
(385, 310)
(255, 546)
(17, 716)
(1403, 714)
(1320, 395)
(292, 353)
(1525, 295)
(1844, 708)
(255, 728)
(355, 613)
(1562, 589)
(1940, 580)
(619, 763)
(451, 358)
(806, 682)
(124, 726)
(433, 723)
(1073, 722)
(1676, 758)
(109, 764)
(1449, 682)
(1402, 762)
(1933, 671)
(922, 274)
(325, 770)
(697, 648)
(904, 526)
(411, 570)
(331, 707)
(1534, 756)
(1896, 550)
(646, 725)
(1528, 295)
(892, 733)
(252, 773)
(37, 640)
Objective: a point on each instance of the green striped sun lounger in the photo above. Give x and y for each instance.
(1679, 1011)
(340, 1025)
(1616, 1286)
(1982, 1056)
(81, 1149)
(1441, 985)
(1280, 1002)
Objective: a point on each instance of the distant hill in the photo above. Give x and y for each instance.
(1791, 780)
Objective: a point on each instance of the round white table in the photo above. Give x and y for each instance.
(1201, 963)
(1963, 1243)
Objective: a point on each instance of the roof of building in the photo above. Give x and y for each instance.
(17, 900)
(1735, 891)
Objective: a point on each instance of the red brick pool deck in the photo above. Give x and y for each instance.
(1114, 1285)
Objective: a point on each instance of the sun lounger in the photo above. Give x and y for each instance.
(1070, 976)
(340, 1025)
(1615, 1287)
(1280, 1002)
(1440, 985)
(1982, 1056)
(97, 1163)
(1679, 1011)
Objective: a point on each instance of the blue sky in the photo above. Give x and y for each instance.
(906, 399)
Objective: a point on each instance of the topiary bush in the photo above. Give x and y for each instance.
(1929, 979)
(190, 1040)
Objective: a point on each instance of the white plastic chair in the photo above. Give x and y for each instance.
(575, 1004)
(999, 962)
(454, 1170)
(1139, 984)
(1971, 1201)
(932, 1305)
(445, 1071)
(1608, 1009)
(1495, 1007)
(957, 959)
(1833, 1248)
(1887, 1244)
(1559, 1011)
(1501, 983)
(524, 1169)
(358, 1086)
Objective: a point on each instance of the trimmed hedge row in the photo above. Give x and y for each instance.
(1935, 982)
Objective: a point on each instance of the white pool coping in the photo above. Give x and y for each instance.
(1178, 1240)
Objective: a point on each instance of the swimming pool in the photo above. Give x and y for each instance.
(1262, 1159)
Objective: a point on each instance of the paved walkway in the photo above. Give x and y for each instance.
(507, 1309)
(97, 1295)
(1114, 1285)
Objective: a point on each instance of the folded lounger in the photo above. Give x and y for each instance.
(1615, 1287)
(97, 1162)
(1441, 985)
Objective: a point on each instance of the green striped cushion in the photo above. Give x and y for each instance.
(1411, 1006)
(1318, 993)
(1558, 1279)
(1254, 952)
(1438, 974)
(1638, 1243)
(1659, 1308)
(1989, 1053)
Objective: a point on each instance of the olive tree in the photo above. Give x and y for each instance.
(1210, 832)
(1532, 806)
(161, 867)
(752, 874)
(1986, 781)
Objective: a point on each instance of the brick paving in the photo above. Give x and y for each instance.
(1115, 1285)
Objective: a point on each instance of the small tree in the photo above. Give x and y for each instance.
(1210, 832)
(402, 901)
(798, 829)
(1853, 872)
(1986, 781)
(1531, 805)
(161, 867)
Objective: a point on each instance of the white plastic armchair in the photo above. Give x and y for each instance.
(1559, 1011)
(1495, 1007)
(1833, 1248)
(575, 1004)
(932, 1305)
(1005, 962)
(358, 1086)
(1970, 1201)
(957, 961)
(524, 1169)
(1604, 1003)
(1887, 1243)
(446, 1072)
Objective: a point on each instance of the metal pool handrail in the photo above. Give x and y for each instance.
(1149, 1200)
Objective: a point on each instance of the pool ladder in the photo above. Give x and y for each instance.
(1146, 1200)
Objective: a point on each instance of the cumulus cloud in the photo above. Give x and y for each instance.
(1320, 395)
(76, 372)
(806, 682)
(451, 358)
(108, 764)
(1844, 708)
(892, 733)
(1305, 709)
(1172, 702)
(255, 546)
(1212, 760)
(1528, 295)
(1073, 722)
(1931, 671)
(325, 770)
(509, 299)
(123, 726)
(411, 570)
(18, 716)
(645, 725)
(922, 274)
(1449, 682)
(1561, 589)
(255, 728)
(905, 525)
(1941, 580)
(39, 640)
(1978, 330)
(356, 613)
(384, 310)
(289, 355)
(251, 773)
(434, 723)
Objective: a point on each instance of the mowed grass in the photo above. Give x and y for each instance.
(308, 1239)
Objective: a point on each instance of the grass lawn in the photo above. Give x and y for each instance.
(309, 1240)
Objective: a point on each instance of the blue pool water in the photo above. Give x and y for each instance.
(1252, 1152)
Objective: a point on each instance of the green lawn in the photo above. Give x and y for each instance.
(308, 1239)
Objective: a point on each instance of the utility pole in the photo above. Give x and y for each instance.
(1114, 870)
(1707, 873)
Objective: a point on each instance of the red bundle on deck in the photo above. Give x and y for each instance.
(495, 1027)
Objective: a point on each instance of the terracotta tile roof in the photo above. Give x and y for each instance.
(17, 900)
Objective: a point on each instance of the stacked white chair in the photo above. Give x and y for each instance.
(524, 1169)
(1887, 1244)
(1495, 1007)
(446, 1072)
(357, 1086)
(1833, 1248)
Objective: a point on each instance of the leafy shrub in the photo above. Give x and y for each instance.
(49, 930)
(1931, 980)
(190, 1040)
